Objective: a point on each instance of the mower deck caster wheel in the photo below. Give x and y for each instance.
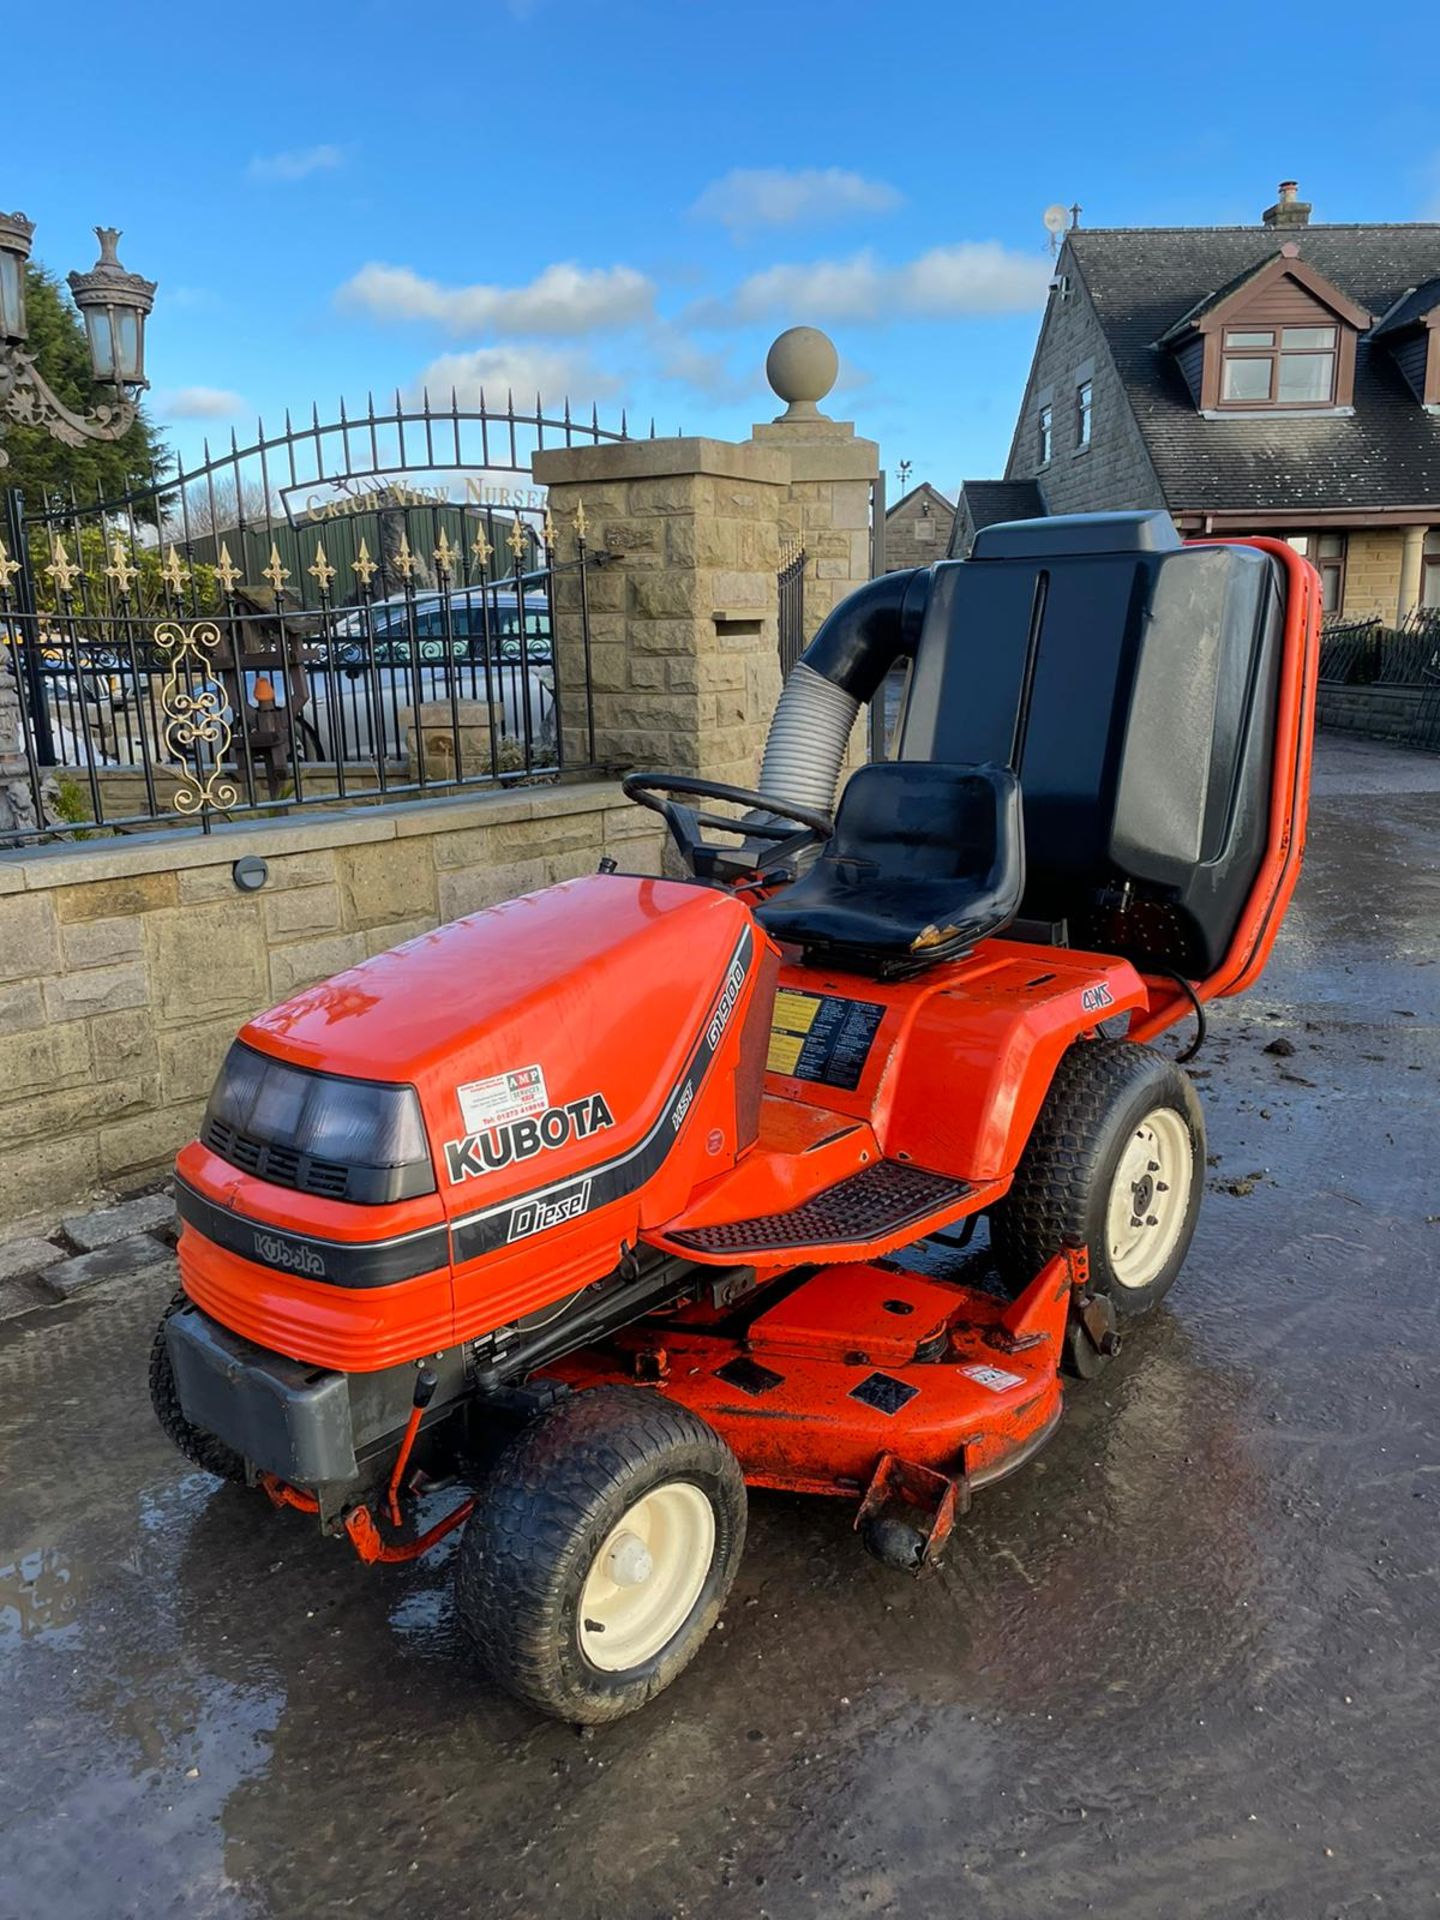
(601, 1550)
(894, 1543)
(200, 1448)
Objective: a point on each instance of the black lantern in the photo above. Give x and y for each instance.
(115, 305)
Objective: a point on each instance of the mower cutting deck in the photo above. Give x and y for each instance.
(590, 1205)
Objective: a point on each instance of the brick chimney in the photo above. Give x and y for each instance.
(1287, 210)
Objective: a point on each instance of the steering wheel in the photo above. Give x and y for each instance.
(707, 861)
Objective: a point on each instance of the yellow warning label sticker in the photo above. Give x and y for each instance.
(821, 1037)
(795, 1012)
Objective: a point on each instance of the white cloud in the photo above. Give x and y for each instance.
(672, 355)
(973, 276)
(519, 369)
(298, 164)
(784, 197)
(563, 299)
(200, 403)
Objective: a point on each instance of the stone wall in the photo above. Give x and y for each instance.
(917, 530)
(1372, 572)
(1380, 713)
(684, 645)
(1115, 471)
(126, 965)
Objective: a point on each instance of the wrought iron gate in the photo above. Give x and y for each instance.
(359, 609)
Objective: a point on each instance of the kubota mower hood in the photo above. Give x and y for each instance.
(581, 1059)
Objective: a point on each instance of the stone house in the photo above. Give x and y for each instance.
(918, 528)
(1280, 378)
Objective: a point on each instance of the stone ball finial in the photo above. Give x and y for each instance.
(801, 367)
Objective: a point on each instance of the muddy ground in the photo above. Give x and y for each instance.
(1186, 1664)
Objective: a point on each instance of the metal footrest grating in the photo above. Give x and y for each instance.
(867, 1206)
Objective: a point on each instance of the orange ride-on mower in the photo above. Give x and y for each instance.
(584, 1207)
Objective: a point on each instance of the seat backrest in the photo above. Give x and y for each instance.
(1131, 681)
(926, 821)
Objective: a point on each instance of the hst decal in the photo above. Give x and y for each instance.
(477, 1154)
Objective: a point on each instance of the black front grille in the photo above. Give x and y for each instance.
(282, 1166)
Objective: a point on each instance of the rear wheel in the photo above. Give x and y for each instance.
(1116, 1164)
(200, 1448)
(601, 1551)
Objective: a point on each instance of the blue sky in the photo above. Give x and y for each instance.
(629, 199)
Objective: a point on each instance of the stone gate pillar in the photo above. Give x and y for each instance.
(685, 537)
(684, 651)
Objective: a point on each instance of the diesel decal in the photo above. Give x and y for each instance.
(682, 1105)
(549, 1210)
(1094, 998)
(481, 1153)
(293, 1255)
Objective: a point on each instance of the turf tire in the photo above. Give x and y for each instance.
(1102, 1089)
(550, 1502)
(200, 1448)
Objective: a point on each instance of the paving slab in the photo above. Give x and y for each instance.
(115, 1262)
(146, 1213)
(1183, 1666)
(27, 1255)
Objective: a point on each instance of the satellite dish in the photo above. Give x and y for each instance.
(1056, 218)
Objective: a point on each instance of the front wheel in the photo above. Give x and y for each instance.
(200, 1448)
(600, 1553)
(1116, 1163)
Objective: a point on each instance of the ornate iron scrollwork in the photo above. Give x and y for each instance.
(196, 714)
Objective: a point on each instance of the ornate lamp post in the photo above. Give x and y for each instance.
(115, 305)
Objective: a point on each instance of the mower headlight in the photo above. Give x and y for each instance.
(307, 1130)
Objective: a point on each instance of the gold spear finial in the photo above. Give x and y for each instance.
(276, 573)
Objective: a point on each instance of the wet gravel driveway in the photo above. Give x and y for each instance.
(1186, 1664)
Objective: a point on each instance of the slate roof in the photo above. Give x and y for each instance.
(1416, 304)
(990, 501)
(1386, 454)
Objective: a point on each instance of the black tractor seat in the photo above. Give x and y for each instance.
(925, 861)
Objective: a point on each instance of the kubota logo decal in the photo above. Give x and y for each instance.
(481, 1153)
(1094, 998)
(293, 1255)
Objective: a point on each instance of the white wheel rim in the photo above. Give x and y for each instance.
(647, 1576)
(1149, 1197)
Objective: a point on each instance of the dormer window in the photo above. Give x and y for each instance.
(1280, 338)
(1278, 367)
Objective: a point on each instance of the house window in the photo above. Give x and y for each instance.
(1330, 559)
(1047, 434)
(1430, 570)
(1278, 367)
(1084, 412)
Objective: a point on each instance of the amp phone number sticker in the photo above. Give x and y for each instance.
(815, 1036)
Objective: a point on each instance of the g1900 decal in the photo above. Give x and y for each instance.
(477, 1154)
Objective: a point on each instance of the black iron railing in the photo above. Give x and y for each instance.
(129, 719)
(369, 607)
(790, 585)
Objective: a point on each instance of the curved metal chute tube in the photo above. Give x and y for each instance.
(844, 665)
